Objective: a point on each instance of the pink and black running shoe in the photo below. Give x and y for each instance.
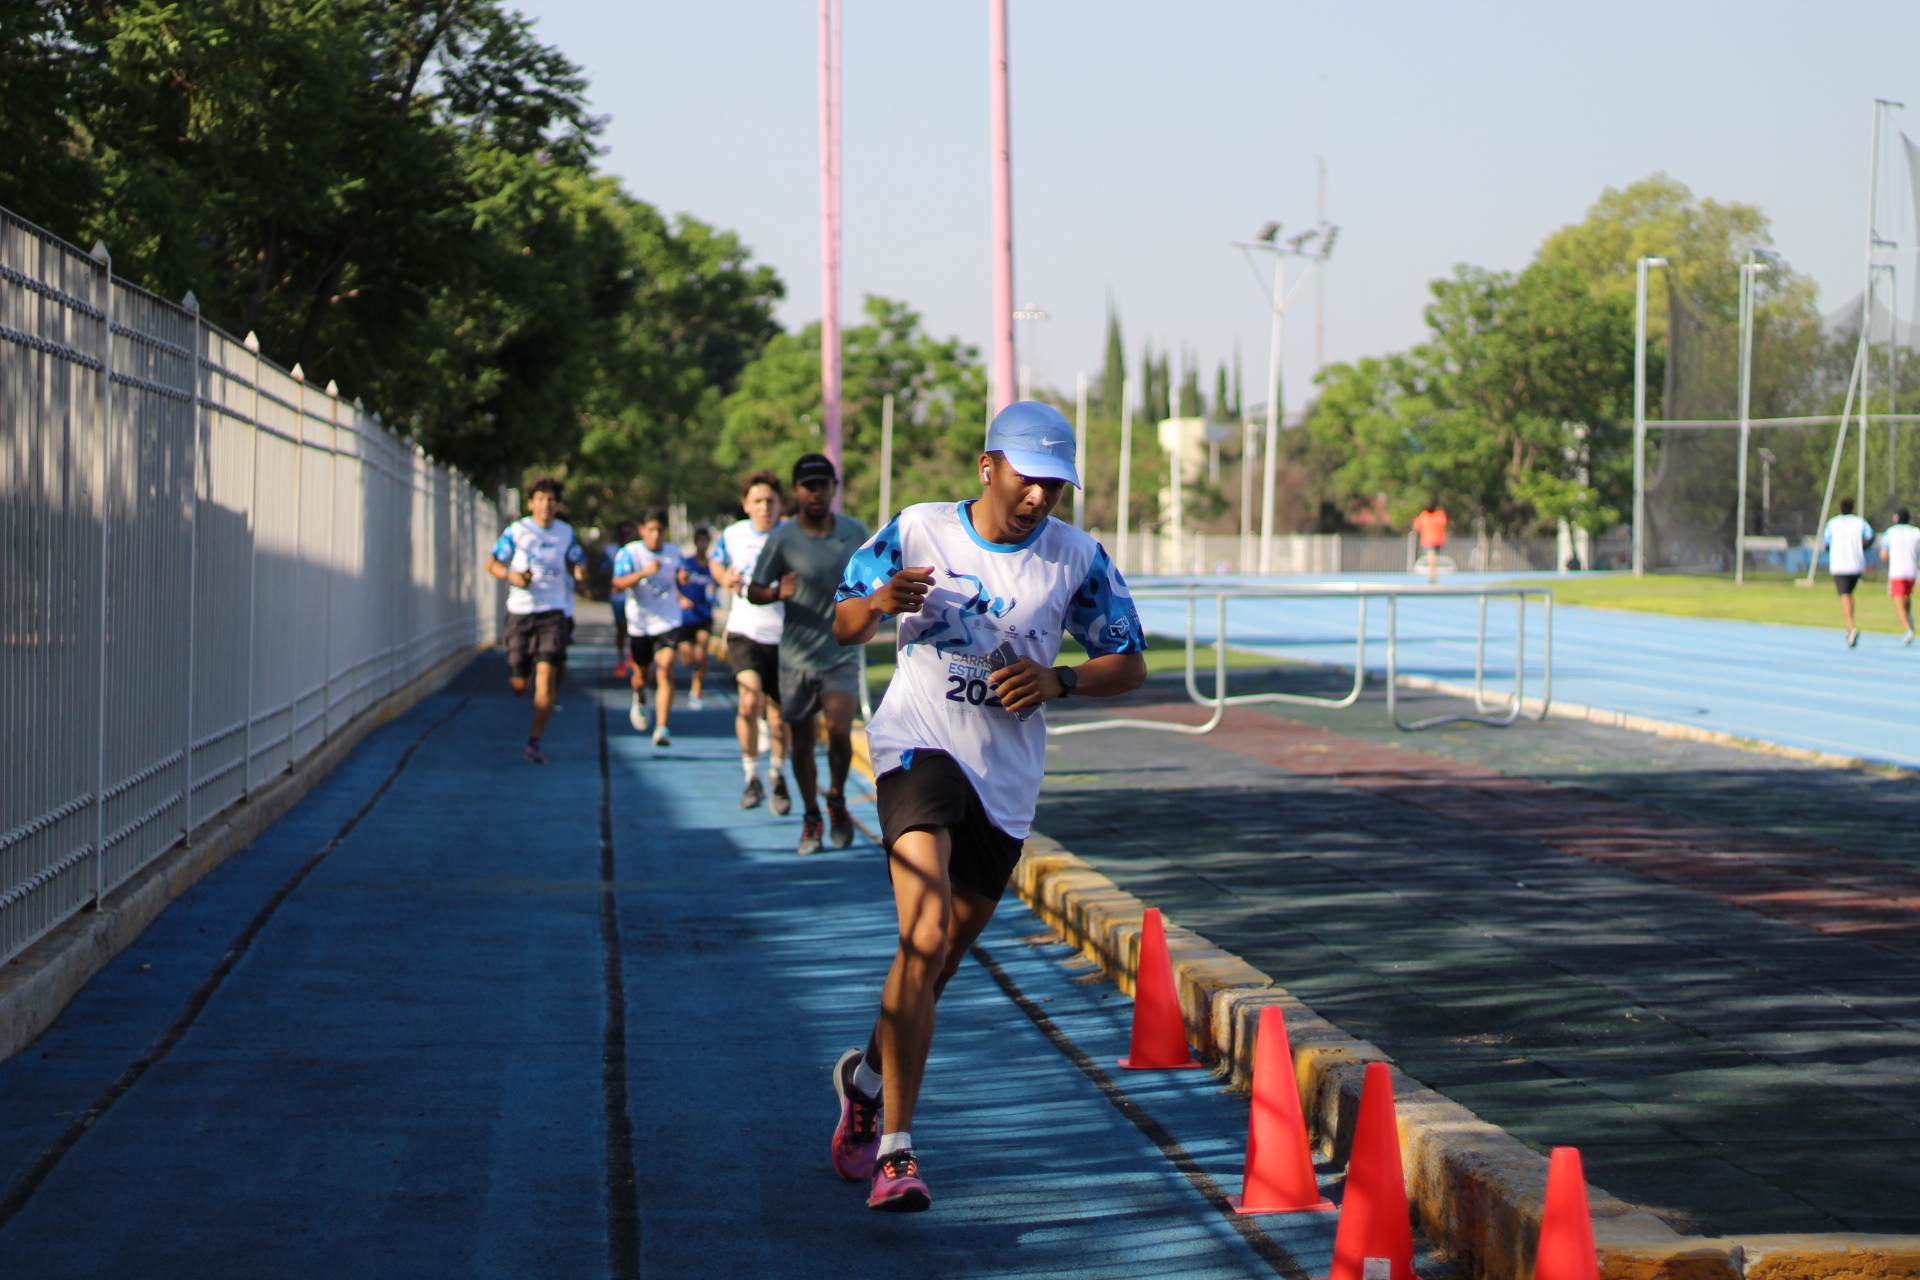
(857, 1138)
(897, 1187)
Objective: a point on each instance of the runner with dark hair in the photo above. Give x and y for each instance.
(617, 600)
(800, 568)
(696, 614)
(649, 570)
(984, 590)
(540, 560)
(753, 640)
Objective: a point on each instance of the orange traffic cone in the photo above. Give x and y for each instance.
(1279, 1175)
(1375, 1239)
(1159, 1035)
(1566, 1227)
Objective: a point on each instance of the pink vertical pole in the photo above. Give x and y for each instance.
(830, 229)
(1003, 373)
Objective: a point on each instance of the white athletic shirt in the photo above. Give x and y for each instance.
(1024, 594)
(653, 603)
(1902, 545)
(739, 550)
(1848, 537)
(548, 553)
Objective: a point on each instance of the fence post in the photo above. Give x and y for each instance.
(192, 304)
(103, 499)
(299, 541)
(252, 343)
(333, 512)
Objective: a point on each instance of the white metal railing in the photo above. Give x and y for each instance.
(210, 568)
(1496, 716)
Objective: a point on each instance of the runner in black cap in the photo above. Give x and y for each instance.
(801, 566)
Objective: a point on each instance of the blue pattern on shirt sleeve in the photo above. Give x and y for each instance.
(1101, 615)
(576, 554)
(503, 549)
(623, 563)
(873, 565)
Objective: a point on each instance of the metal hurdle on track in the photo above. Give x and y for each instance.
(1498, 717)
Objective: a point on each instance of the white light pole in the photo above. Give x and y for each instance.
(1640, 415)
(1749, 271)
(1033, 316)
(1126, 469)
(1296, 246)
(1766, 489)
(1080, 451)
(886, 460)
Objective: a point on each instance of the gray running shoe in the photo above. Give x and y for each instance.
(782, 803)
(754, 796)
(839, 822)
(809, 835)
(534, 754)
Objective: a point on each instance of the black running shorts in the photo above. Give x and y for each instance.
(754, 656)
(642, 648)
(536, 637)
(690, 632)
(930, 791)
(1844, 583)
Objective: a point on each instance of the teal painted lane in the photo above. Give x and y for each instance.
(405, 1070)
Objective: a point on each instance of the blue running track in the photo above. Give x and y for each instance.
(1798, 686)
(405, 1065)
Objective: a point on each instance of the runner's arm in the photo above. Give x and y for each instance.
(1028, 684)
(502, 556)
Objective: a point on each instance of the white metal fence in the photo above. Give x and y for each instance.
(210, 567)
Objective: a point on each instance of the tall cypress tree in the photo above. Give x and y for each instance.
(1222, 396)
(1113, 379)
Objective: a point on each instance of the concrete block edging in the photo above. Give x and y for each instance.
(1475, 1189)
(36, 985)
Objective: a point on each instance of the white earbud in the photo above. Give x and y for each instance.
(984, 477)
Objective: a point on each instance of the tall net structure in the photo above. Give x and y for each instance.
(1800, 375)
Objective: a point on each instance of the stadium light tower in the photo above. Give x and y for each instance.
(1315, 246)
(1749, 275)
(1640, 415)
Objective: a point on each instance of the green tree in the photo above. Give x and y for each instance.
(940, 395)
(1113, 377)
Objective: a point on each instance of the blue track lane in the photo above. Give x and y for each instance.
(403, 1074)
(1799, 686)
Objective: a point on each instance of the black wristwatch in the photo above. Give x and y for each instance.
(1069, 680)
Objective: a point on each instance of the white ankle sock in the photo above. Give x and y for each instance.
(892, 1142)
(866, 1080)
(750, 765)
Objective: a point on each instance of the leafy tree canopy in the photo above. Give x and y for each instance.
(939, 389)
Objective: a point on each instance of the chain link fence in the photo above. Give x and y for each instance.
(210, 568)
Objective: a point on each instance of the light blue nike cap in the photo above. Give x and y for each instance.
(1037, 441)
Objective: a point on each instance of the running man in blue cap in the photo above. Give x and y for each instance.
(984, 589)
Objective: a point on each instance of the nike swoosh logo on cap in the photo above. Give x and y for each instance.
(1048, 444)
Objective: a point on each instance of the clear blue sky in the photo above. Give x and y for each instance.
(1148, 135)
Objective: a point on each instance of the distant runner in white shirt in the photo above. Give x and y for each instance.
(1900, 548)
(984, 590)
(1847, 538)
(753, 640)
(649, 572)
(539, 559)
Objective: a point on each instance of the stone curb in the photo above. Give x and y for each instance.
(1476, 1190)
(37, 984)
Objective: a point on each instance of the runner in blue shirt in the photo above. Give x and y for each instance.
(696, 613)
(617, 601)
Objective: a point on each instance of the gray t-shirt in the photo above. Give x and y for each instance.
(806, 641)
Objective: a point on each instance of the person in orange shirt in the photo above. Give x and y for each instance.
(1431, 525)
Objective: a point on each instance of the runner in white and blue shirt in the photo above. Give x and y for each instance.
(753, 642)
(539, 559)
(984, 590)
(648, 570)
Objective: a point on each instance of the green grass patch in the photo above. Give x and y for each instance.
(1769, 598)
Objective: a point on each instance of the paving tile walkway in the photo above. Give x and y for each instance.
(1571, 962)
(576, 1021)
